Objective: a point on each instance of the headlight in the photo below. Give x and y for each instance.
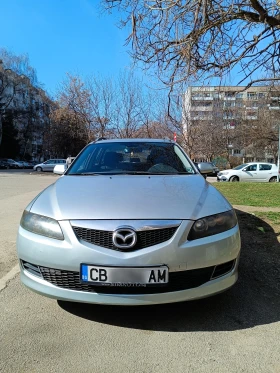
(213, 224)
(41, 225)
(223, 173)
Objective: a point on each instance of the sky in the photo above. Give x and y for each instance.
(63, 36)
(72, 36)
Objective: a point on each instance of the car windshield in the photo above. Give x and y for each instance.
(240, 166)
(131, 158)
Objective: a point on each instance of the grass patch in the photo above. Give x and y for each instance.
(251, 194)
(273, 217)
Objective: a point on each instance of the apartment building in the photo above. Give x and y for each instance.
(29, 107)
(229, 105)
(204, 103)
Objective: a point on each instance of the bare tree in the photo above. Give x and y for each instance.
(76, 97)
(67, 133)
(102, 102)
(129, 105)
(205, 38)
(19, 64)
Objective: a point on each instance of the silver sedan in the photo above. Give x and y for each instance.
(131, 222)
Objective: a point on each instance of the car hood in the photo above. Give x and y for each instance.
(229, 170)
(129, 197)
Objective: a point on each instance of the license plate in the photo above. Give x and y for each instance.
(124, 276)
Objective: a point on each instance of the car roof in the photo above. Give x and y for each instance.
(259, 163)
(132, 140)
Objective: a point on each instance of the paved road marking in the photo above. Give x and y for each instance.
(9, 276)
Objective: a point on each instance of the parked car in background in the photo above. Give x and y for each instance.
(253, 171)
(11, 163)
(29, 164)
(25, 164)
(48, 165)
(33, 163)
(209, 165)
(131, 222)
(4, 165)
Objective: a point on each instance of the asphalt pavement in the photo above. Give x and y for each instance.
(237, 331)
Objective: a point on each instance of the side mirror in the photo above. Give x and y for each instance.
(244, 169)
(60, 169)
(204, 168)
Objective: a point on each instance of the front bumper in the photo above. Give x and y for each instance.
(177, 253)
(210, 288)
(222, 178)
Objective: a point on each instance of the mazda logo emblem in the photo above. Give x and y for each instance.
(124, 238)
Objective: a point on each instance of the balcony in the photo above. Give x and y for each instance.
(199, 117)
(198, 98)
(201, 108)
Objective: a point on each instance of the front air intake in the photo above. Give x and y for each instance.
(31, 268)
(223, 269)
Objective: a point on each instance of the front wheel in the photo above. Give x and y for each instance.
(39, 169)
(234, 179)
(273, 179)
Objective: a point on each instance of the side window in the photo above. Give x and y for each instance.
(265, 167)
(252, 167)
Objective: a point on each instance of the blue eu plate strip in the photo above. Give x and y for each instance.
(84, 273)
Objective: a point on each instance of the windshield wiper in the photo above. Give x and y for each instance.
(84, 174)
(128, 173)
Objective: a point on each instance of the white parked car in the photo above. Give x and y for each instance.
(48, 165)
(253, 171)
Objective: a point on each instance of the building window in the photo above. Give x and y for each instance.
(229, 104)
(229, 94)
(252, 96)
(239, 95)
(236, 151)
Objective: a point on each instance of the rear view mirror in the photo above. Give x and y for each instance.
(59, 169)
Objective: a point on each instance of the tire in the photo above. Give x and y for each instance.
(234, 179)
(273, 179)
(39, 169)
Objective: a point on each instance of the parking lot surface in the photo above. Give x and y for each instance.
(237, 331)
(17, 189)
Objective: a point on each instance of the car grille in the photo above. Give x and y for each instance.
(144, 238)
(177, 281)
